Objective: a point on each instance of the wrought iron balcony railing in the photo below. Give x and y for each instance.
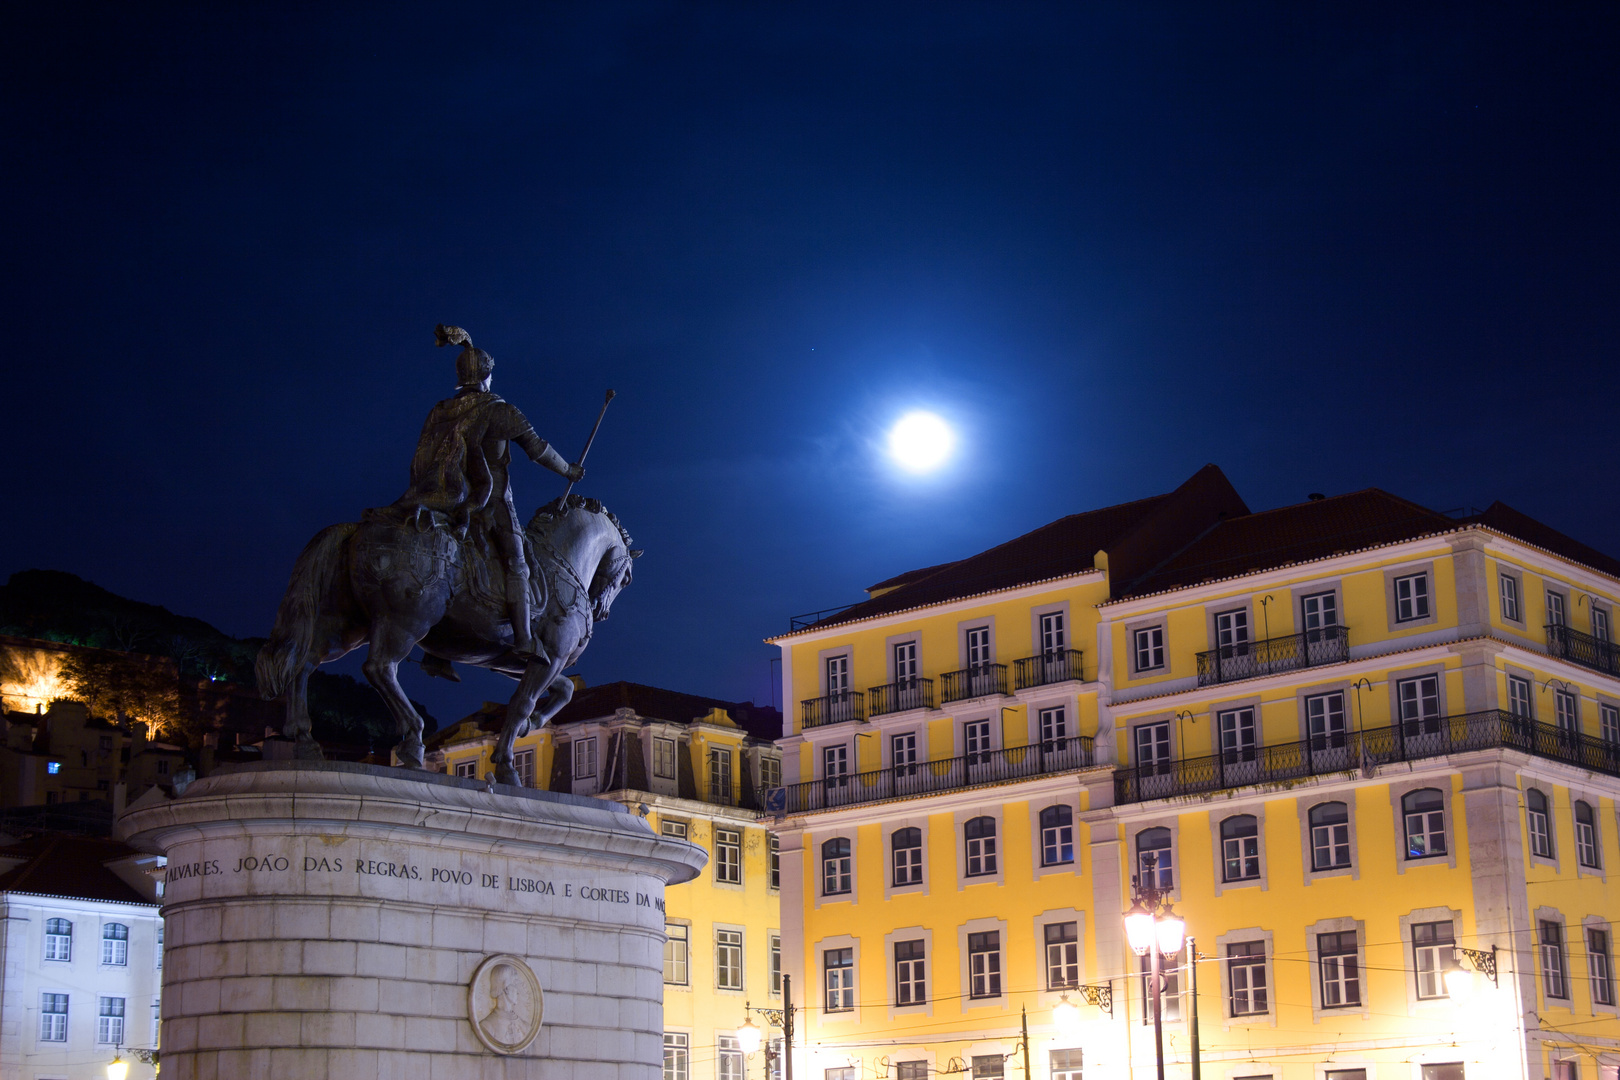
(974, 682)
(1059, 665)
(1344, 751)
(913, 693)
(1251, 659)
(1583, 649)
(928, 777)
(834, 708)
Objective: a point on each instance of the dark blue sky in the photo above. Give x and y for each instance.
(1324, 249)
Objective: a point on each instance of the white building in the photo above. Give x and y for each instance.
(81, 952)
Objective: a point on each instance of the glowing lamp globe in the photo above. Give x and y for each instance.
(748, 1036)
(1460, 984)
(1172, 931)
(920, 441)
(117, 1069)
(1065, 1015)
(1139, 928)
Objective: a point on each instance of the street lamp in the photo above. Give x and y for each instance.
(1151, 926)
(1466, 966)
(748, 1035)
(117, 1068)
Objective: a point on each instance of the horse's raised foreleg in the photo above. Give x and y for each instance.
(390, 645)
(541, 678)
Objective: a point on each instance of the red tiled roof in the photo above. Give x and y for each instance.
(69, 866)
(1291, 534)
(1503, 518)
(908, 577)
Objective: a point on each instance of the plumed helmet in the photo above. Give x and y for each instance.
(474, 365)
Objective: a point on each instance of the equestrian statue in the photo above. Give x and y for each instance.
(447, 568)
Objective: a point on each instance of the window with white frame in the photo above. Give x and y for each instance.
(1054, 729)
(1170, 995)
(728, 856)
(1148, 646)
(1325, 721)
(58, 939)
(584, 757)
(1554, 980)
(1419, 700)
(1600, 624)
(1330, 836)
(907, 848)
(976, 741)
(1054, 639)
(1057, 835)
(1424, 812)
(837, 675)
(1153, 748)
(773, 856)
(720, 776)
(770, 771)
(1600, 966)
(1566, 711)
(775, 943)
(677, 1055)
(1412, 597)
(1586, 837)
(989, 1067)
(676, 945)
(53, 1015)
(984, 964)
(1153, 846)
(835, 765)
(1065, 1065)
(838, 966)
(910, 973)
(903, 753)
(1319, 611)
(905, 665)
(728, 959)
(836, 865)
(1520, 700)
(1240, 848)
(523, 764)
(1609, 722)
(467, 770)
(978, 648)
(1555, 608)
(664, 761)
(1510, 598)
(728, 1058)
(1246, 978)
(1341, 974)
(911, 1070)
(115, 944)
(1432, 945)
(1240, 737)
(1536, 821)
(1062, 955)
(980, 836)
(158, 946)
(110, 1021)
(1232, 631)
(671, 827)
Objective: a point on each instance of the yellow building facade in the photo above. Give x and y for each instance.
(1354, 736)
(694, 768)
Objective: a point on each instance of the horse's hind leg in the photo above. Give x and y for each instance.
(390, 645)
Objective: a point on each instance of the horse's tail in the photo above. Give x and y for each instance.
(292, 640)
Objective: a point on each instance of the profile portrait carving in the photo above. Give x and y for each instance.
(505, 1004)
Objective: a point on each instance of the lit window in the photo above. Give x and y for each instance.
(728, 856)
(1425, 814)
(53, 767)
(676, 944)
(115, 944)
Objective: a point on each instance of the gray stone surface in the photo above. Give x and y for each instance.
(326, 920)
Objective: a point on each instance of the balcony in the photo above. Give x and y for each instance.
(1583, 649)
(913, 693)
(1059, 665)
(929, 777)
(1411, 741)
(1252, 659)
(833, 708)
(981, 681)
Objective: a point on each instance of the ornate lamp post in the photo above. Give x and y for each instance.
(1152, 927)
(749, 1035)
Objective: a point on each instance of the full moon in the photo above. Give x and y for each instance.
(920, 441)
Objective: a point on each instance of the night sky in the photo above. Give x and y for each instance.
(1324, 249)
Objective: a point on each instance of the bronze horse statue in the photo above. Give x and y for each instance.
(394, 581)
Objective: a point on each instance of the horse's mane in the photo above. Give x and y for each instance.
(546, 518)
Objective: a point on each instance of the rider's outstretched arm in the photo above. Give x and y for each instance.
(541, 453)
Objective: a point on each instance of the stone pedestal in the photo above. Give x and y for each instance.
(360, 922)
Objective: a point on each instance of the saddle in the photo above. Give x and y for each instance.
(468, 552)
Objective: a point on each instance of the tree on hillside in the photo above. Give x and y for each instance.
(126, 688)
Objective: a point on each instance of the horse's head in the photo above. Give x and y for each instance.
(612, 575)
(588, 534)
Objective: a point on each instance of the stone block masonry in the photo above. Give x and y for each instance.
(328, 919)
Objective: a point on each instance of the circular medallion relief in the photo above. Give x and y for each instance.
(504, 1004)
